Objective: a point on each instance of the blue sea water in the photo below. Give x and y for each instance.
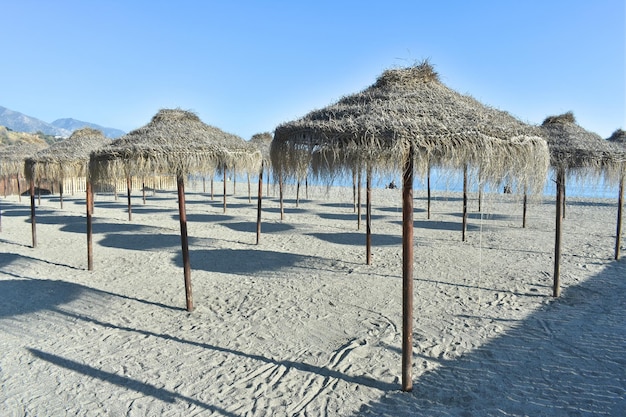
(588, 187)
(445, 181)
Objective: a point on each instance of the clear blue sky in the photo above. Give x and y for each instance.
(247, 66)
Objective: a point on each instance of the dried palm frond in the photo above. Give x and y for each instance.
(173, 142)
(12, 156)
(577, 151)
(66, 159)
(410, 107)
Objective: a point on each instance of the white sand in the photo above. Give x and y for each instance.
(299, 325)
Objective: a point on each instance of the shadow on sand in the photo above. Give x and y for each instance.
(358, 239)
(566, 359)
(240, 261)
(29, 295)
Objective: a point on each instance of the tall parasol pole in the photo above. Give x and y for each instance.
(620, 204)
(180, 182)
(33, 220)
(407, 271)
(128, 187)
(368, 215)
(560, 180)
(89, 205)
(258, 210)
(464, 204)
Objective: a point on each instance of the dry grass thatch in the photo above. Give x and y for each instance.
(575, 150)
(174, 142)
(618, 138)
(410, 107)
(66, 159)
(263, 142)
(12, 156)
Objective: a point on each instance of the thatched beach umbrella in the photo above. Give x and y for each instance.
(404, 118)
(238, 155)
(66, 159)
(12, 157)
(574, 151)
(174, 142)
(12, 164)
(619, 139)
(262, 142)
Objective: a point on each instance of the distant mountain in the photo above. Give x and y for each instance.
(20, 122)
(73, 124)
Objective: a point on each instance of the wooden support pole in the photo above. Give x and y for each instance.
(354, 190)
(89, 208)
(463, 232)
(249, 190)
(480, 193)
(258, 208)
(358, 200)
(33, 220)
(19, 189)
(61, 193)
(368, 215)
(407, 271)
(180, 182)
(564, 197)
(428, 192)
(560, 179)
(620, 204)
(128, 188)
(298, 194)
(524, 209)
(224, 188)
(280, 194)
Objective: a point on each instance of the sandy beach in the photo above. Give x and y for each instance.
(299, 325)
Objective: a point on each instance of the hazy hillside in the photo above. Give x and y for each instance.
(8, 137)
(73, 124)
(19, 122)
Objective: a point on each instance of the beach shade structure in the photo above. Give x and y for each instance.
(65, 159)
(578, 152)
(619, 139)
(262, 141)
(12, 164)
(174, 142)
(12, 157)
(398, 123)
(240, 156)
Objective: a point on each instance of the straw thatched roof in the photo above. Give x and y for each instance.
(66, 159)
(576, 150)
(175, 141)
(411, 107)
(240, 154)
(12, 156)
(618, 138)
(263, 141)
